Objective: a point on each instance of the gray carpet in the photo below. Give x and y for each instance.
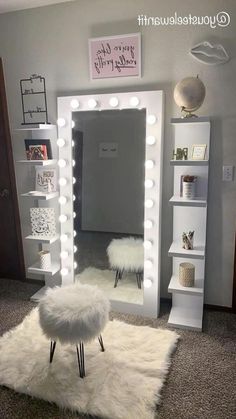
(202, 379)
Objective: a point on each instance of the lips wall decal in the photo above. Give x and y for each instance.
(208, 53)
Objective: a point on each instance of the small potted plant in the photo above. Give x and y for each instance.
(189, 183)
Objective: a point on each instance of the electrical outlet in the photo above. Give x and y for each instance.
(108, 150)
(228, 173)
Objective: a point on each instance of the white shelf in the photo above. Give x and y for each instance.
(38, 162)
(44, 196)
(42, 239)
(186, 318)
(35, 127)
(39, 294)
(191, 121)
(189, 162)
(176, 287)
(197, 202)
(35, 269)
(176, 250)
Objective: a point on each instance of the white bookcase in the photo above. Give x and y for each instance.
(41, 131)
(187, 302)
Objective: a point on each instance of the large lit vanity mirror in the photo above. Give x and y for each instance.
(110, 155)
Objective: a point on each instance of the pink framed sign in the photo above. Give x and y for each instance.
(115, 56)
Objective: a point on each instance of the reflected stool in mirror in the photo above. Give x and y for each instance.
(74, 314)
(126, 255)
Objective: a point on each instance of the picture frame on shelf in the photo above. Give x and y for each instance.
(38, 149)
(198, 152)
(45, 180)
(43, 222)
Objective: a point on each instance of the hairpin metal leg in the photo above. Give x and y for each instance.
(116, 279)
(80, 355)
(138, 277)
(52, 350)
(121, 274)
(101, 343)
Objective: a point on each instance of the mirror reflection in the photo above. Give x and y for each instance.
(109, 156)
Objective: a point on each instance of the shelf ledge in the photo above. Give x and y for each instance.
(43, 239)
(176, 287)
(197, 202)
(177, 251)
(36, 127)
(190, 121)
(39, 162)
(189, 162)
(186, 318)
(44, 196)
(35, 269)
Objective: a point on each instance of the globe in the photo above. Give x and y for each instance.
(189, 95)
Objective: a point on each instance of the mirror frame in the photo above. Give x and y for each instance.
(153, 102)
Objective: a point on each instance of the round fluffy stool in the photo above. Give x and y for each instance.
(74, 314)
(126, 254)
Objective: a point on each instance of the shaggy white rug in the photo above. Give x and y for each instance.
(126, 290)
(124, 382)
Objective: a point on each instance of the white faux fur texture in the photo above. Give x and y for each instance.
(126, 253)
(73, 313)
(124, 382)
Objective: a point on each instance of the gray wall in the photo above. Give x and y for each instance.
(113, 187)
(53, 41)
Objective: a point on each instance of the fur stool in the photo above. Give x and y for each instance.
(126, 254)
(74, 314)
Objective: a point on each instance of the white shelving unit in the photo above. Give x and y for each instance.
(187, 302)
(40, 131)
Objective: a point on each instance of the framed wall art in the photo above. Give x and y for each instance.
(38, 149)
(43, 222)
(45, 180)
(199, 151)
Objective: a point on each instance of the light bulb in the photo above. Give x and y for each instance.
(62, 200)
(134, 101)
(75, 249)
(62, 218)
(62, 181)
(61, 163)
(74, 214)
(61, 122)
(74, 197)
(72, 124)
(147, 244)
(75, 265)
(149, 203)
(64, 254)
(148, 264)
(148, 224)
(74, 180)
(148, 183)
(75, 234)
(61, 142)
(63, 238)
(72, 143)
(151, 119)
(73, 163)
(92, 103)
(151, 140)
(74, 103)
(149, 164)
(147, 283)
(64, 271)
(113, 102)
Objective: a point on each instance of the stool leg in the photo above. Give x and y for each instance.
(101, 343)
(138, 277)
(81, 363)
(116, 279)
(121, 274)
(52, 350)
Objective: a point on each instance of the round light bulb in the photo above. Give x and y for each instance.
(75, 249)
(147, 244)
(92, 103)
(62, 218)
(72, 124)
(74, 103)
(149, 203)
(61, 122)
(151, 140)
(74, 180)
(75, 265)
(62, 200)
(148, 183)
(72, 143)
(148, 264)
(63, 238)
(151, 119)
(134, 101)
(64, 271)
(113, 102)
(148, 224)
(64, 254)
(74, 214)
(147, 283)
(73, 163)
(75, 234)
(61, 142)
(61, 163)
(74, 197)
(149, 164)
(62, 181)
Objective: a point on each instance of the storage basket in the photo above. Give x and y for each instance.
(186, 274)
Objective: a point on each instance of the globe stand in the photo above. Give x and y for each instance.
(188, 113)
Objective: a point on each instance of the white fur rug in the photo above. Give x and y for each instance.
(126, 290)
(124, 382)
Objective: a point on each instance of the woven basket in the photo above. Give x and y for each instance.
(186, 274)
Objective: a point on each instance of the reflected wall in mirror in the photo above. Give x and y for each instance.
(109, 168)
(110, 195)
